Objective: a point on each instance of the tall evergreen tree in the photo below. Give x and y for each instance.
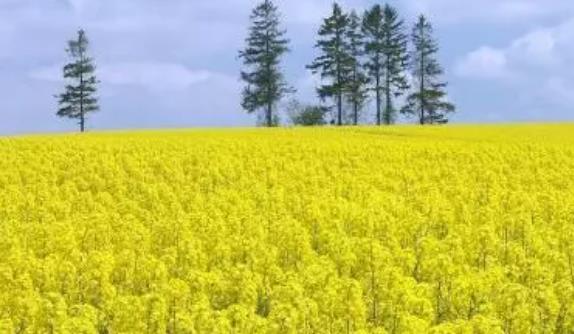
(395, 61)
(386, 50)
(266, 44)
(334, 63)
(78, 99)
(428, 102)
(374, 48)
(357, 92)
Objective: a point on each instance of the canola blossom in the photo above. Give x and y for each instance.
(458, 229)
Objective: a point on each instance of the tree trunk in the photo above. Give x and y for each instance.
(356, 92)
(388, 107)
(378, 98)
(269, 114)
(269, 111)
(422, 94)
(82, 118)
(388, 112)
(422, 89)
(339, 109)
(355, 113)
(339, 96)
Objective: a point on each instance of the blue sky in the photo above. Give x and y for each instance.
(173, 63)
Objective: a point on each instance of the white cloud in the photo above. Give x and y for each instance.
(154, 76)
(485, 62)
(456, 11)
(536, 48)
(538, 62)
(541, 50)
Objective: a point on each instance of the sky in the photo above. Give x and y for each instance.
(173, 63)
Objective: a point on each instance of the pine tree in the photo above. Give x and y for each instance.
(357, 93)
(374, 47)
(386, 49)
(395, 61)
(334, 63)
(79, 99)
(266, 44)
(428, 102)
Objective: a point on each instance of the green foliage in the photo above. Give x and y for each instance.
(357, 91)
(395, 60)
(428, 101)
(79, 99)
(386, 50)
(266, 44)
(307, 115)
(334, 63)
(374, 36)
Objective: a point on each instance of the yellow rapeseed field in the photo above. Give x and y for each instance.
(458, 229)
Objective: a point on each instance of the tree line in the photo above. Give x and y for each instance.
(360, 57)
